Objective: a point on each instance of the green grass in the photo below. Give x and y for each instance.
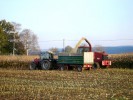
(101, 84)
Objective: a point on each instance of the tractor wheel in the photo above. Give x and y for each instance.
(62, 67)
(79, 68)
(32, 66)
(96, 66)
(45, 65)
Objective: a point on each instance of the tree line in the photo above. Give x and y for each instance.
(15, 41)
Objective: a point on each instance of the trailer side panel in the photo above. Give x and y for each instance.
(76, 60)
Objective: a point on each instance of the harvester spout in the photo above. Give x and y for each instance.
(90, 47)
(78, 44)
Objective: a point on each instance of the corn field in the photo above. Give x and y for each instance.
(16, 62)
(122, 60)
(22, 62)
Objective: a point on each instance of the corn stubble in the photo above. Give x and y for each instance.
(99, 84)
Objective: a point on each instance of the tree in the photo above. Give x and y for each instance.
(17, 26)
(34, 44)
(3, 40)
(68, 49)
(20, 48)
(54, 50)
(29, 40)
(9, 32)
(11, 42)
(7, 29)
(25, 38)
(18, 45)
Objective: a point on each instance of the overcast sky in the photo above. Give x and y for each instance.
(102, 22)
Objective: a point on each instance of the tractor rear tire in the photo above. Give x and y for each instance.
(32, 66)
(96, 66)
(45, 65)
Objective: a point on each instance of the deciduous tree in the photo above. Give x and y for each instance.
(68, 49)
(3, 41)
(29, 40)
(9, 37)
(54, 50)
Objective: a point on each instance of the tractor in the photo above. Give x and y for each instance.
(46, 61)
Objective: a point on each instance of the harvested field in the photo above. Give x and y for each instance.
(101, 84)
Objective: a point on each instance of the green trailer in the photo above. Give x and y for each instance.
(76, 61)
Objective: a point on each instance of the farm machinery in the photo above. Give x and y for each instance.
(81, 57)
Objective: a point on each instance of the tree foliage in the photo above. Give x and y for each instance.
(29, 40)
(54, 50)
(6, 34)
(10, 40)
(68, 49)
(7, 27)
(3, 41)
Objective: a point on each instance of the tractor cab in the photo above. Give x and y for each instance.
(46, 55)
(82, 49)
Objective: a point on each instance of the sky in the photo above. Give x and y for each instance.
(102, 22)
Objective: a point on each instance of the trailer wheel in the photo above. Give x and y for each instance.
(62, 67)
(96, 66)
(79, 68)
(45, 65)
(32, 66)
